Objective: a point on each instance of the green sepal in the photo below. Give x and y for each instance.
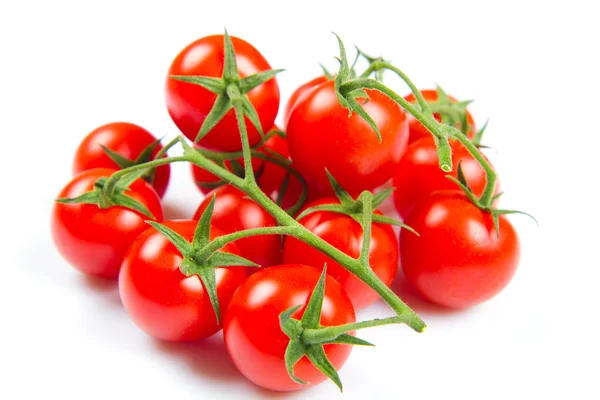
(382, 219)
(354, 106)
(349, 339)
(341, 193)
(250, 82)
(222, 259)
(182, 245)
(215, 85)
(202, 233)
(230, 70)
(220, 108)
(293, 353)
(336, 208)
(122, 162)
(250, 113)
(316, 355)
(461, 177)
(497, 196)
(479, 135)
(380, 197)
(470, 195)
(237, 168)
(211, 185)
(326, 72)
(126, 180)
(92, 197)
(312, 314)
(208, 277)
(121, 199)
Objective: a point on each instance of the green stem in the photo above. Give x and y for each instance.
(321, 335)
(109, 187)
(219, 242)
(236, 100)
(487, 196)
(444, 154)
(367, 219)
(164, 150)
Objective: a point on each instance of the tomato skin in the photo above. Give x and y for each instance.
(127, 139)
(418, 174)
(345, 234)
(164, 302)
(202, 175)
(253, 335)
(322, 136)
(234, 211)
(189, 104)
(95, 240)
(300, 93)
(458, 260)
(417, 130)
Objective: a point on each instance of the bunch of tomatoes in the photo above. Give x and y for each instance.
(283, 205)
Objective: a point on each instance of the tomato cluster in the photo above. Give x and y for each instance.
(183, 280)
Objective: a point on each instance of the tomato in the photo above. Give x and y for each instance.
(345, 234)
(322, 136)
(300, 93)
(253, 335)
(126, 139)
(164, 302)
(95, 240)
(189, 104)
(458, 260)
(417, 130)
(418, 174)
(203, 176)
(234, 211)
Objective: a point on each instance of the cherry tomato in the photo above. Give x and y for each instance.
(322, 136)
(234, 211)
(124, 138)
(164, 302)
(253, 335)
(418, 174)
(417, 130)
(203, 176)
(345, 234)
(300, 94)
(189, 104)
(95, 240)
(458, 260)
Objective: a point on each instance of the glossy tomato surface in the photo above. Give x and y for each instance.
(95, 240)
(234, 211)
(300, 93)
(164, 302)
(345, 234)
(253, 334)
(417, 130)
(321, 136)
(189, 104)
(419, 174)
(458, 260)
(128, 140)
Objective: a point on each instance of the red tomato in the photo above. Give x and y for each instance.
(128, 140)
(95, 240)
(418, 174)
(458, 260)
(417, 130)
(300, 93)
(234, 211)
(321, 136)
(272, 176)
(164, 302)
(189, 104)
(253, 335)
(345, 234)
(202, 175)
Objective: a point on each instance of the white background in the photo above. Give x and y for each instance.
(66, 68)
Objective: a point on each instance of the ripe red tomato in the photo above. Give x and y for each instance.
(417, 130)
(300, 94)
(418, 174)
(234, 211)
(253, 335)
(164, 302)
(124, 138)
(321, 136)
(458, 260)
(95, 240)
(189, 104)
(202, 175)
(345, 234)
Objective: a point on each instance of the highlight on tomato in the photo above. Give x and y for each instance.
(120, 145)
